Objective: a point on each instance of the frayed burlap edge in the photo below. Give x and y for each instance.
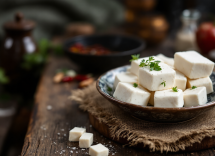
(119, 129)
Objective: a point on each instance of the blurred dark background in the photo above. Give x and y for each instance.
(47, 24)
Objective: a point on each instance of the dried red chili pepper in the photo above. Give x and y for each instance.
(67, 79)
(81, 77)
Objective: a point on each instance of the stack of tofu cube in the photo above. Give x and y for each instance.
(189, 71)
(86, 141)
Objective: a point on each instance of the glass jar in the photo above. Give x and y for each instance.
(185, 37)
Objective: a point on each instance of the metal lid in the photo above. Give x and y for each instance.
(19, 23)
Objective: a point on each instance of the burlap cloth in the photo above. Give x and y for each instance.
(158, 136)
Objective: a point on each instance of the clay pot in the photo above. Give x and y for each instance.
(17, 42)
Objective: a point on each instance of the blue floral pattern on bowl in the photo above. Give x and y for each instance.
(107, 80)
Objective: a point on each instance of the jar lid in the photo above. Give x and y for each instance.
(191, 14)
(19, 23)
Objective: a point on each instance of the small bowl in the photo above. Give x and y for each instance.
(150, 113)
(124, 45)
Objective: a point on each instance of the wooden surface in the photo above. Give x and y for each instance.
(5, 123)
(48, 129)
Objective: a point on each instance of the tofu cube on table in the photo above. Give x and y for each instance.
(168, 99)
(152, 80)
(206, 82)
(192, 64)
(125, 77)
(126, 92)
(135, 64)
(98, 150)
(86, 140)
(180, 80)
(195, 97)
(76, 133)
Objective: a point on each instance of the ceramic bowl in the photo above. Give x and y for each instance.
(150, 113)
(123, 44)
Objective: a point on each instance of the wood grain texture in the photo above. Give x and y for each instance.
(48, 129)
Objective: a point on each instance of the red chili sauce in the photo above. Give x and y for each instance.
(95, 49)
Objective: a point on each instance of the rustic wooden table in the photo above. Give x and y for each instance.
(54, 115)
(5, 123)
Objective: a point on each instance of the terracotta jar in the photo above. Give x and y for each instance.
(17, 42)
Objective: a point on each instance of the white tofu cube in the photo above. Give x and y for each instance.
(86, 140)
(195, 97)
(125, 77)
(202, 82)
(135, 64)
(180, 80)
(98, 150)
(76, 133)
(168, 99)
(129, 69)
(167, 60)
(193, 65)
(128, 93)
(152, 80)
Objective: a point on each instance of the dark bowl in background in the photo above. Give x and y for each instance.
(124, 45)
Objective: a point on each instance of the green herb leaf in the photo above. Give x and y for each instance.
(157, 67)
(143, 63)
(43, 46)
(32, 60)
(174, 89)
(135, 57)
(193, 87)
(163, 83)
(109, 89)
(151, 58)
(3, 78)
(154, 65)
(135, 85)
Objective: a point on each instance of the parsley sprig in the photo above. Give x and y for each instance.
(135, 57)
(154, 65)
(193, 87)
(163, 83)
(174, 89)
(135, 85)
